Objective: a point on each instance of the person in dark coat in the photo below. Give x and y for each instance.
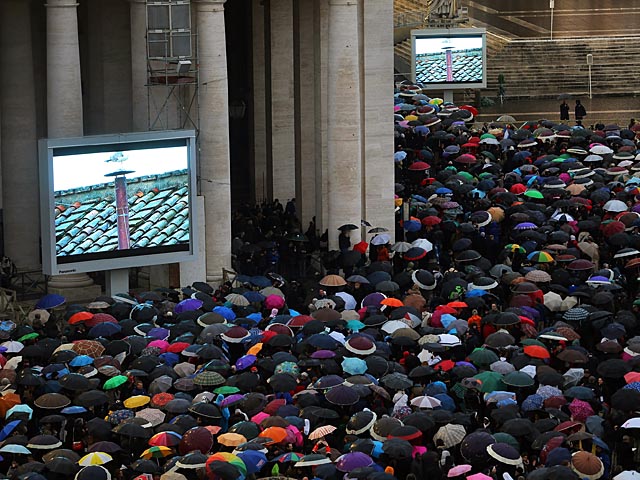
(564, 110)
(580, 112)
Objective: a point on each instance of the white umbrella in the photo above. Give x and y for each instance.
(425, 401)
(600, 150)
(393, 325)
(423, 243)
(627, 475)
(401, 247)
(448, 340)
(615, 206)
(632, 423)
(553, 301)
(381, 239)
(451, 434)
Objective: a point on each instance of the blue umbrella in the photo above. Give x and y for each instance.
(170, 358)
(412, 225)
(253, 296)
(443, 191)
(81, 361)
(253, 459)
(188, 305)
(322, 341)
(73, 410)
(15, 448)
(581, 393)
(159, 333)
(633, 386)
(8, 428)
(355, 325)
(50, 301)
(245, 362)
(226, 312)
(21, 408)
(105, 329)
(446, 402)
(354, 366)
(260, 281)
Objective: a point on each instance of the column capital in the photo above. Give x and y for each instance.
(61, 4)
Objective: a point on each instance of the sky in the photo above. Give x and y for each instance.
(431, 45)
(73, 171)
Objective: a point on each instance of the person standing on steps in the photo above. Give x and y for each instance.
(564, 110)
(580, 112)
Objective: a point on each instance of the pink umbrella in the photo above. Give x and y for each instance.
(161, 344)
(580, 410)
(459, 470)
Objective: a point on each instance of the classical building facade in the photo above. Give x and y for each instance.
(309, 84)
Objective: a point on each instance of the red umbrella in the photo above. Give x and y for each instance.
(612, 228)
(466, 158)
(536, 351)
(99, 318)
(419, 166)
(361, 247)
(196, 438)
(80, 317)
(431, 220)
(470, 108)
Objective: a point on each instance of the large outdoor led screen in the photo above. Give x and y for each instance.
(450, 59)
(111, 202)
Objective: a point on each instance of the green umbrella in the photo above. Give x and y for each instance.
(502, 437)
(226, 390)
(207, 378)
(483, 356)
(28, 336)
(115, 382)
(532, 341)
(518, 379)
(533, 194)
(491, 381)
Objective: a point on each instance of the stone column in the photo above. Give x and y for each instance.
(306, 182)
(343, 135)
(139, 102)
(282, 119)
(377, 174)
(64, 91)
(259, 105)
(215, 172)
(19, 140)
(320, 105)
(64, 107)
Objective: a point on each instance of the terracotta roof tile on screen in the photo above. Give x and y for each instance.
(85, 218)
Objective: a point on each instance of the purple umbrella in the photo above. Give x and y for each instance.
(323, 354)
(353, 460)
(245, 362)
(231, 400)
(188, 305)
(526, 226)
(373, 299)
(158, 333)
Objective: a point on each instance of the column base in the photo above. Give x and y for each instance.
(75, 287)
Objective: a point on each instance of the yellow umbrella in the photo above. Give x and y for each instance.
(156, 452)
(231, 439)
(410, 118)
(95, 458)
(137, 401)
(436, 101)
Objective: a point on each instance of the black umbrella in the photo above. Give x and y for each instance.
(626, 400)
(223, 470)
(361, 422)
(347, 227)
(396, 381)
(145, 466)
(93, 472)
(420, 420)
(105, 446)
(397, 448)
(474, 447)
(314, 412)
(132, 430)
(92, 398)
(75, 382)
(342, 395)
(282, 382)
(63, 466)
(520, 428)
(613, 368)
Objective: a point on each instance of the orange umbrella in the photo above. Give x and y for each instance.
(80, 317)
(536, 351)
(457, 304)
(276, 434)
(392, 302)
(7, 402)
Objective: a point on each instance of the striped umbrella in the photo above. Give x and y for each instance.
(289, 457)
(540, 256)
(95, 458)
(322, 432)
(165, 439)
(156, 452)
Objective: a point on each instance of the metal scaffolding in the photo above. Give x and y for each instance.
(172, 66)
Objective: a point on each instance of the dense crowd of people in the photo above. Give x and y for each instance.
(493, 336)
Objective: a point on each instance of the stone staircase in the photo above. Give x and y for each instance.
(547, 68)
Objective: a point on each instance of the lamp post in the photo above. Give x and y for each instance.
(590, 63)
(551, 6)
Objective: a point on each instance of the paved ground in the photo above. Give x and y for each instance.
(571, 18)
(618, 109)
